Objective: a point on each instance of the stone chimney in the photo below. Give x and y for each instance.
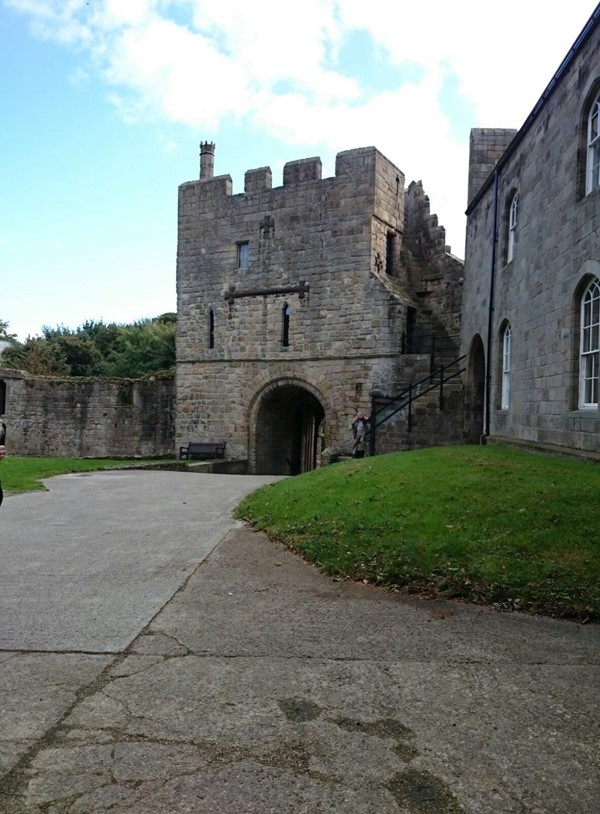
(207, 160)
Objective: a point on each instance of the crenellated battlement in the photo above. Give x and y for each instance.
(306, 169)
(258, 180)
(359, 166)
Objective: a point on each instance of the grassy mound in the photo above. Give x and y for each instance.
(490, 524)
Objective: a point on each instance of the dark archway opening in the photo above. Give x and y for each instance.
(287, 431)
(475, 393)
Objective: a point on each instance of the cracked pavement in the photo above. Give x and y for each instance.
(217, 672)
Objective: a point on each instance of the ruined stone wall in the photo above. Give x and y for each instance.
(81, 417)
(434, 274)
(557, 247)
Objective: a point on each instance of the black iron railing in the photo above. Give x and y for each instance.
(391, 406)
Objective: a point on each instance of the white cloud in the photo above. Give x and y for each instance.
(55, 20)
(504, 55)
(197, 61)
(115, 13)
(272, 65)
(175, 73)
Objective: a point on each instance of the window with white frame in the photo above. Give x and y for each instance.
(589, 357)
(593, 148)
(513, 215)
(506, 348)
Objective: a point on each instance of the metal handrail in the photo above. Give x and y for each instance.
(408, 396)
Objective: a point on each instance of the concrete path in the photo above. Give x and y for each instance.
(262, 686)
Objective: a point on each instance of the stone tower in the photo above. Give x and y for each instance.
(293, 302)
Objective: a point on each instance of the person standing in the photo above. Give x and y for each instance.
(360, 426)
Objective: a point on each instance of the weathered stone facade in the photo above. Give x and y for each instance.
(293, 302)
(81, 417)
(532, 252)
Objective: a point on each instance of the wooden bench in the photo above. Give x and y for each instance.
(202, 450)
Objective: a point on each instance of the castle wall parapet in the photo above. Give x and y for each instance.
(258, 180)
(306, 169)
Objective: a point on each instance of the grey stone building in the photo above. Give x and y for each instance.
(299, 304)
(531, 298)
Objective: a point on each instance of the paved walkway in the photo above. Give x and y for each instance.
(245, 681)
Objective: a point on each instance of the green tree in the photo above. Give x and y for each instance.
(82, 356)
(36, 356)
(143, 348)
(9, 344)
(99, 349)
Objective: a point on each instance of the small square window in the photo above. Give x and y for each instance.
(243, 255)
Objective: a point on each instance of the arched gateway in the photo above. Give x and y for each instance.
(287, 417)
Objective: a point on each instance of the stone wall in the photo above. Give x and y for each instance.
(557, 248)
(486, 148)
(81, 417)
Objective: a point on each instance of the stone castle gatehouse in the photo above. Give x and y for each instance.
(298, 304)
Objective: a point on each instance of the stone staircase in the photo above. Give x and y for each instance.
(435, 415)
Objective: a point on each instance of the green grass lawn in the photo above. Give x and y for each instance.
(491, 524)
(25, 474)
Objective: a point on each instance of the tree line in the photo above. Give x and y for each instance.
(96, 348)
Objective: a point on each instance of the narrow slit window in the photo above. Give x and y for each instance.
(286, 314)
(211, 328)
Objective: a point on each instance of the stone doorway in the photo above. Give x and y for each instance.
(288, 424)
(475, 392)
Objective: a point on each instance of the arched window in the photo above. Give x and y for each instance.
(211, 328)
(505, 387)
(513, 215)
(286, 312)
(593, 148)
(589, 354)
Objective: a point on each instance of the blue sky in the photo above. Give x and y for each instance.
(104, 103)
